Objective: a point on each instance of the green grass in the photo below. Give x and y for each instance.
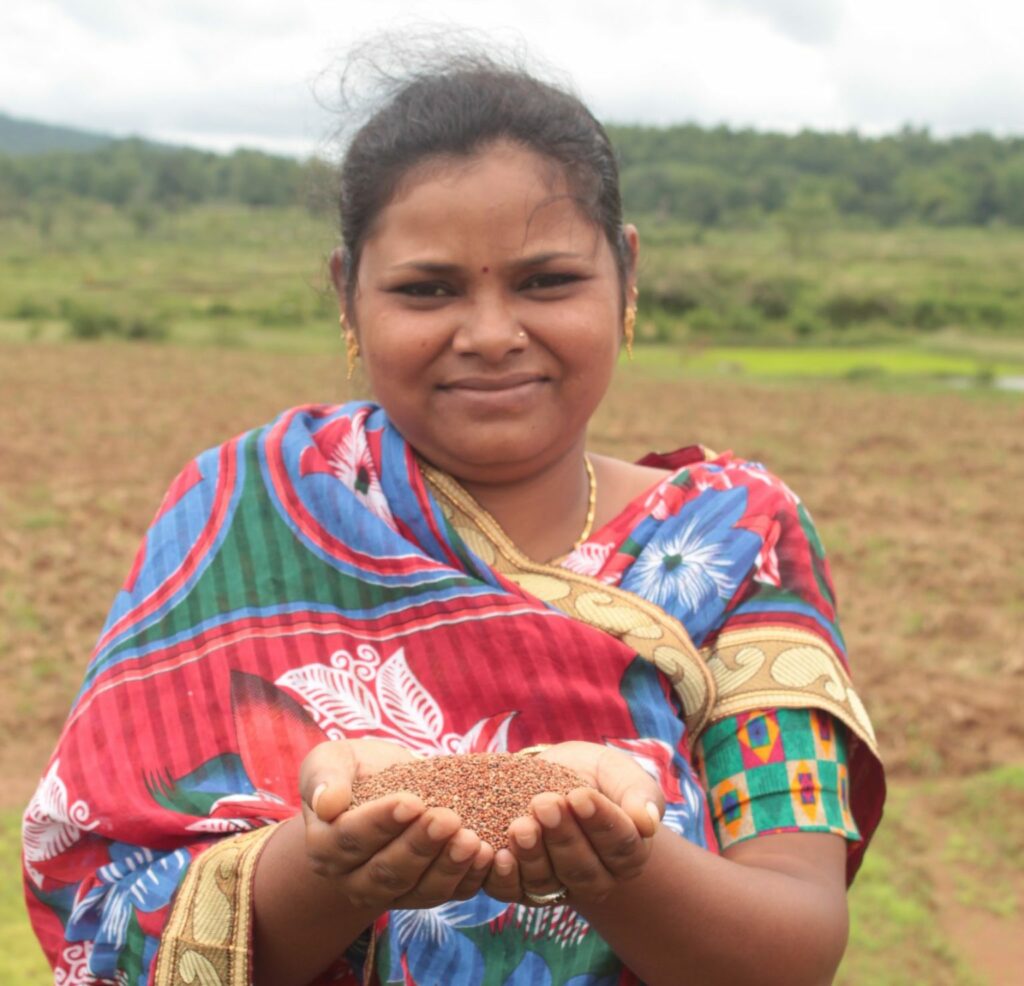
(818, 361)
(730, 302)
(894, 940)
(973, 828)
(943, 301)
(21, 959)
(987, 845)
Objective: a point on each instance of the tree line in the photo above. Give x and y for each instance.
(707, 177)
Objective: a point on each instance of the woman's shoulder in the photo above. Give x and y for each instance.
(697, 467)
(302, 423)
(664, 485)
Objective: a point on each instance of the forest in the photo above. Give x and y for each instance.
(749, 238)
(708, 177)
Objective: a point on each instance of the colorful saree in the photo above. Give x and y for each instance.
(313, 579)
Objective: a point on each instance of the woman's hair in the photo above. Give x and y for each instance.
(457, 108)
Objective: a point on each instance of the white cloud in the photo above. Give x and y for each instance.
(226, 71)
(953, 66)
(807, 21)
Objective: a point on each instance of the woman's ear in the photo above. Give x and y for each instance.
(633, 243)
(337, 267)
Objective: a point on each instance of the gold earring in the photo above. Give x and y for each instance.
(351, 347)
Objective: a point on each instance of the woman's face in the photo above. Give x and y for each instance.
(489, 315)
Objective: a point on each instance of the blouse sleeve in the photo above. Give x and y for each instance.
(790, 745)
(776, 770)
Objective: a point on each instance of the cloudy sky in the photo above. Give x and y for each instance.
(223, 73)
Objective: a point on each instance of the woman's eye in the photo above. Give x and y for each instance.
(541, 281)
(424, 289)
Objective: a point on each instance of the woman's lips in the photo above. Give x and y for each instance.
(505, 395)
(494, 384)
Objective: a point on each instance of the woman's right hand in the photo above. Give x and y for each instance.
(390, 852)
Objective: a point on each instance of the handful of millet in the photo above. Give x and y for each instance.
(486, 790)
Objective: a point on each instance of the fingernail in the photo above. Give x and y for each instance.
(504, 863)
(652, 810)
(436, 828)
(527, 838)
(459, 853)
(404, 812)
(583, 805)
(548, 814)
(319, 790)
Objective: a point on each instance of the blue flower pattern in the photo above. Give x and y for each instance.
(418, 934)
(693, 567)
(136, 879)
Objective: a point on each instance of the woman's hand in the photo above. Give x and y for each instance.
(586, 842)
(390, 852)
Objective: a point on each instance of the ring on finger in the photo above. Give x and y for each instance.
(545, 900)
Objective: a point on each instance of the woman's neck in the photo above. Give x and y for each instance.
(545, 512)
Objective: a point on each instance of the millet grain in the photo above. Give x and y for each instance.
(486, 790)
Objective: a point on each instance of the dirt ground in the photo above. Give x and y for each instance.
(917, 497)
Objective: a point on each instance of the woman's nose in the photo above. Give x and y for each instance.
(488, 328)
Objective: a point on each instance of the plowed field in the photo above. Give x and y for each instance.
(919, 497)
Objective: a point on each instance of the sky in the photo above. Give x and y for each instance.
(263, 73)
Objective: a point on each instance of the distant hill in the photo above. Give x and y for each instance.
(28, 137)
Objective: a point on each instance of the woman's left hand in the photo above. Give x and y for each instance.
(587, 842)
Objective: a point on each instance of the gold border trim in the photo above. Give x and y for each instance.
(208, 938)
(783, 667)
(647, 629)
(742, 670)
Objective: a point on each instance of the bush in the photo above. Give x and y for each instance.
(845, 309)
(773, 297)
(864, 371)
(286, 311)
(743, 321)
(90, 323)
(991, 313)
(705, 321)
(730, 322)
(30, 309)
(150, 328)
(806, 325)
(677, 301)
(932, 313)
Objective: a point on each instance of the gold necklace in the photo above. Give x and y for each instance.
(591, 504)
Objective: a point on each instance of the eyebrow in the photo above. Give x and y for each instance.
(535, 260)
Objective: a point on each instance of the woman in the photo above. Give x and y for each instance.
(449, 570)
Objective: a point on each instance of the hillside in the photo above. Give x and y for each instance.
(19, 136)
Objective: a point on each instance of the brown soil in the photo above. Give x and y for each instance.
(972, 856)
(917, 497)
(989, 944)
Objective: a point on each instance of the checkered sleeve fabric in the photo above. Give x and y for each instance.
(777, 770)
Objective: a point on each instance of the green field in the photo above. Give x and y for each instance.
(903, 302)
